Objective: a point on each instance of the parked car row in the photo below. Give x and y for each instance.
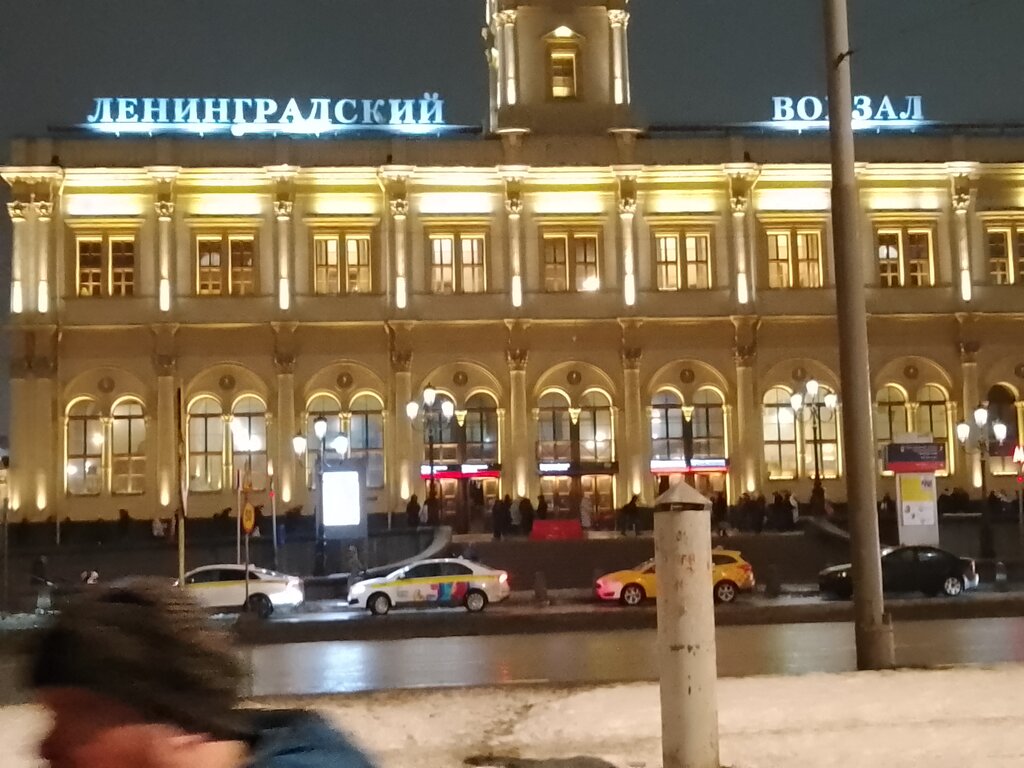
(929, 570)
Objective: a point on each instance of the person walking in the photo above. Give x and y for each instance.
(586, 512)
(542, 507)
(432, 509)
(720, 514)
(630, 516)
(526, 514)
(497, 520)
(412, 512)
(356, 569)
(134, 674)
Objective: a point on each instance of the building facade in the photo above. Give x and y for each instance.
(607, 309)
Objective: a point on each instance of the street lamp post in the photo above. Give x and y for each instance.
(808, 402)
(979, 433)
(432, 415)
(340, 445)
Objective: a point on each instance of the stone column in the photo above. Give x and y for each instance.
(283, 453)
(167, 437)
(514, 208)
(618, 19)
(164, 215)
(739, 248)
(746, 441)
(283, 216)
(47, 463)
(969, 375)
(404, 460)
(635, 458)
(508, 32)
(44, 210)
(399, 212)
(516, 449)
(961, 205)
(627, 210)
(21, 473)
(16, 210)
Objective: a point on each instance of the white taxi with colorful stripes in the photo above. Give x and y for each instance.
(445, 582)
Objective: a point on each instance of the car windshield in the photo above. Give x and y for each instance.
(645, 566)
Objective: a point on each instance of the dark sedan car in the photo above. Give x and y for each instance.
(909, 569)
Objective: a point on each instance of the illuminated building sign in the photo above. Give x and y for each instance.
(810, 112)
(258, 116)
(459, 471)
(703, 464)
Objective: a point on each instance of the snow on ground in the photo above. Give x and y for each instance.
(953, 718)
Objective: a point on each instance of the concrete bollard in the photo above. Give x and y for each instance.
(540, 588)
(772, 583)
(1001, 581)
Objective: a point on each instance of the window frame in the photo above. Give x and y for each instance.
(458, 236)
(682, 236)
(903, 231)
(366, 450)
(107, 236)
(563, 50)
(342, 230)
(92, 423)
(216, 480)
(135, 458)
(794, 233)
(570, 236)
(225, 271)
(1012, 229)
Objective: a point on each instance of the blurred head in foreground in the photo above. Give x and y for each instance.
(135, 675)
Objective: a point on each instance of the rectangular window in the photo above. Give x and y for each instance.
(326, 272)
(209, 267)
(243, 265)
(698, 261)
(585, 263)
(794, 258)
(905, 257)
(357, 259)
(442, 269)
(563, 74)
(1005, 249)
(556, 267)
(472, 264)
(667, 262)
(105, 265)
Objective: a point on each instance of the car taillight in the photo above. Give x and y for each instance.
(503, 577)
(746, 567)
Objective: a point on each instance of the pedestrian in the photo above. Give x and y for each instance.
(818, 499)
(412, 512)
(432, 509)
(794, 507)
(630, 516)
(760, 512)
(356, 569)
(40, 581)
(586, 513)
(720, 514)
(497, 523)
(526, 514)
(516, 517)
(542, 507)
(133, 674)
(886, 508)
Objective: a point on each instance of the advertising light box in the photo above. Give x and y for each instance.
(342, 499)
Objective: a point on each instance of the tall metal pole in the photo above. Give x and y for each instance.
(987, 543)
(816, 427)
(873, 629)
(7, 555)
(320, 546)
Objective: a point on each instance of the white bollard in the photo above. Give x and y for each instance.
(686, 637)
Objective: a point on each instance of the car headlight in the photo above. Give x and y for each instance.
(358, 589)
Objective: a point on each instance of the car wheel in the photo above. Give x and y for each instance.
(952, 586)
(632, 595)
(475, 601)
(725, 592)
(261, 606)
(379, 604)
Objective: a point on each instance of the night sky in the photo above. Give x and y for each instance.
(692, 61)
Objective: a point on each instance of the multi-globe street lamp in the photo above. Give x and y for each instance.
(339, 444)
(808, 404)
(979, 436)
(433, 415)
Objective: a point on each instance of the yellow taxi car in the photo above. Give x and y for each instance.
(730, 575)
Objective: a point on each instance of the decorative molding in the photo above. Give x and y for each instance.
(799, 374)
(969, 351)
(574, 377)
(164, 209)
(459, 379)
(164, 365)
(618, 18)
(106, 385)
(517, 359)
(631, 358)
(401, 360)
(44, 209)
(739, 203)
(284, 362)
(344, 380)
(687, 375)
(514, 203)
(399, 206)
(506, 17)
(744, 355)
(911, 372)
(283, 209)
(627, 205)
(16, 210)
(226, 382)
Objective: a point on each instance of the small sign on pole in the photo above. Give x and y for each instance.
(248, 524)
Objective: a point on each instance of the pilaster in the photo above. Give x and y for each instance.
(745, 433)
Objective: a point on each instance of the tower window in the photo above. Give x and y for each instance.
(563, 73)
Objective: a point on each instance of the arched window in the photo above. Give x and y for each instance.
(481, 429)
(443, 432)
(667, 441)
(890, 417)
(205, 445)
(366, 437)
(553, 439)
(595, 428)
(779, 424)
(327, 407)
(249, 442)
(932, 417)
(128, 448)
(820, 436)
(1002, 407)
(84, 459)
(708, 422)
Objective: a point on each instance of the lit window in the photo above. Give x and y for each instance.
(905, 257)
(698, 261)
(249, 442)
(205, 445)
(780, 436)
(932, 417)
(595, 428)
(556, 267)
(667, 262)
(571, 262)
(128, 448)
(457, 263)
(585, 263)
(84, 449)
(105, 265)
(357, 259)
(328, 408)
(1005, 247)
(794, 258)
(326, 273)
(481, 429)
(226, 265)
(890, 417)
(708, 424)
(563, 74)
(366, 437)
(667, 433)
(329, 278)
(670, 263)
